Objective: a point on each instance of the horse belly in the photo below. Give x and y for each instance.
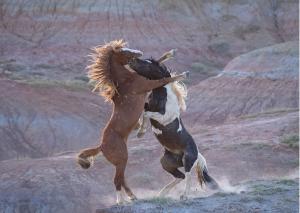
(127, 111)
(169, 136)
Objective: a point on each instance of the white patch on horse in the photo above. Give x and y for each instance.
(172, 109)
(148, 61)
(156, 131)
(179, 127)
(132, 50)
(120, 197)
(202, 162)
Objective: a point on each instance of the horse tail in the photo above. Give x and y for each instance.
(202, 173)
(87, 156)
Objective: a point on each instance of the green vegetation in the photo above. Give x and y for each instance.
(287, 182)
(228, 17)
(223, 194)
(259, 146)
(269, 112)
(161, 200)
(221, 48)
(205, 68)
(266, 190)
(73, 85)
(37, 79)
(242, 31)
(291, 141)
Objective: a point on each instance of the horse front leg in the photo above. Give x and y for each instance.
(143, 127)
(189, 162)
(143, 85)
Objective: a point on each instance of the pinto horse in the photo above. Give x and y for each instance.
(127, 91)
(163, 109)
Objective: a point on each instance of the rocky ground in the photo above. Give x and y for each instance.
(243, 106)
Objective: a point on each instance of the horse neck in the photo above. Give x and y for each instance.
(119, 72)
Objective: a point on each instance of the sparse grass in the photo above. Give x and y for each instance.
(13, 71)
(36, 80)
(287, 182)
(83, 78)
(295, 162)
(45, 66)
(73, 85)
(269, 112)
(11, 66)
(221, 48)
(265, 190)
(291, 141)
(223, 194)
(160, 200)
(256, 198)
(228, 17)
(205, 68)
(242, 31)
(259, 146)
(259, 199)
(289, 200)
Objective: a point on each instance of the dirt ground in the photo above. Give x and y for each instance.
(257, 196)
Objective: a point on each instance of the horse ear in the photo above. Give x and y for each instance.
(167, 55)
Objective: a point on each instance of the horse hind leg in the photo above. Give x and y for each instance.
(128, 191)
(143, 126)
(119, 178)
(120, 183)
(171, 165)
(202, 173)
(167, 188)
(190, 160)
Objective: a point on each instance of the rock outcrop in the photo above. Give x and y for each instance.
(260, 81)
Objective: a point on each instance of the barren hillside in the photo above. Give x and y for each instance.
(243, 106)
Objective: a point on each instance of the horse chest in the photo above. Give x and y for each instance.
(171, 108)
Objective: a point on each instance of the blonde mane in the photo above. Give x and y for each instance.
(99, 70)
(180, 91)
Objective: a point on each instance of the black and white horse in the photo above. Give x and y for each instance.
(163, 109)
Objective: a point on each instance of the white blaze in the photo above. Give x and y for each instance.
(132, 50)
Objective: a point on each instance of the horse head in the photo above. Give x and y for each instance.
(149, 68)
(123, 55)
(153, 69)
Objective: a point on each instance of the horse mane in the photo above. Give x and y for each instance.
(99, 71)
(180, 91)
(178, 88)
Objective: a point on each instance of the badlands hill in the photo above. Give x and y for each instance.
(249, 145)
(242, 103)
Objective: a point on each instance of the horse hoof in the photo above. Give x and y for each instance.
(187, 74)
(120, 203)
(133, 198)
(183, 197)
(140, 134)
(84, 163)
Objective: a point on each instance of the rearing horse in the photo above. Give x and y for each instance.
(127, 90)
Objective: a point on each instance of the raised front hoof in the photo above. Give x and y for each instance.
(133, 198)
(183, 76)
(84, 163)
(140, 134)
(183, 197)
(187, 74)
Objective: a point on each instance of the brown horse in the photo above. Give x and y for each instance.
(127, 91)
